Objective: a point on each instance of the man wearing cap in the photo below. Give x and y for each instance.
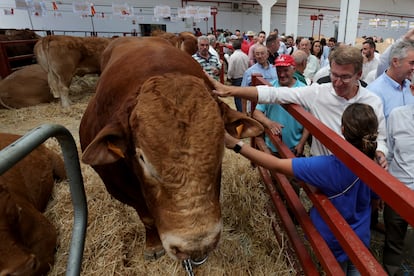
(247, 43)
(276, 118)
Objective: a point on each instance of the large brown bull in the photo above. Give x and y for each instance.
(154, 133)
(28, 239)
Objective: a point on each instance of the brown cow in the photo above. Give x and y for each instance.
(28, 239)
(63, 57)
(154, 133)
(185, 41)
(25, 87)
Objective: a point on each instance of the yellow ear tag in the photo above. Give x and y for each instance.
(239, 130)
(115, 150)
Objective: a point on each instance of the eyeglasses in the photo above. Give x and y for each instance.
(344, 78)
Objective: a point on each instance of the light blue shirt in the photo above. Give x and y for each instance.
(400, 140)
(391, 93)
(292, 130)
(268, 73)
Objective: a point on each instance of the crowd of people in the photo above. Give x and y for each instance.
(364, 96)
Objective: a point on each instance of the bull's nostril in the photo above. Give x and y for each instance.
(174, 249)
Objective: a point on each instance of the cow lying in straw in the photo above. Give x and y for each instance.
(28, 239)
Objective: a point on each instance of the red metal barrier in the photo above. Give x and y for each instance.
(5, 60)
(390, 189)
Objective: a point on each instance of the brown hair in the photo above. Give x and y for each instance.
(360, 127)
(343, 55)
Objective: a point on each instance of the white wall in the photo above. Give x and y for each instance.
(248, 19)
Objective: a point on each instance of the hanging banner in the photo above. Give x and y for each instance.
(162, 11)
(36, 8)
(191, 11)
(204, 12)
(395, 24)
(182, 13)
(404, 24)
(373, 22)
(21, 4)
(383, 22)
(81, 7)
(123, 10)
(8, 11)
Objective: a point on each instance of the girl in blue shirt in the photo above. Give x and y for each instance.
(347, 192)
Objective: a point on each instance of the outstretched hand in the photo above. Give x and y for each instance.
(219, 88)
(230, 141)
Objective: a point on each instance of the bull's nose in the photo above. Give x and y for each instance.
(196, 257)
(179, 254)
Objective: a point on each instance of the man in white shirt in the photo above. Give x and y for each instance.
(238, 64)
(370, 59)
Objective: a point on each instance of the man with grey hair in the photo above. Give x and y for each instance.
(393, 86)
(211, 65)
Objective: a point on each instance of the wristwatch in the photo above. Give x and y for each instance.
(237, 147)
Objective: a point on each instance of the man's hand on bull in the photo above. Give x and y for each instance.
(221, 90)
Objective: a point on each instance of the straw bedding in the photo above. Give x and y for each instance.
(115, 235)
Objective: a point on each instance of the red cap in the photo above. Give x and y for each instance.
(285, 60)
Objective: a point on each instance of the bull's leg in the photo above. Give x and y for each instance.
(64, 96)
(153, 246)
(52, 81)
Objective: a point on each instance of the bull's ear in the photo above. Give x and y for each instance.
(238, 124)
(108, 147)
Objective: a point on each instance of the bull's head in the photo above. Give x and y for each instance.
(175, 149)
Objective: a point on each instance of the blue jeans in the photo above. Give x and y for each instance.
(237, 101)
(349, 268)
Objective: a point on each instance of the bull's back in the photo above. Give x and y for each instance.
(131, 62)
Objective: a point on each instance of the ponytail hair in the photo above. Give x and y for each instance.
(360, 128)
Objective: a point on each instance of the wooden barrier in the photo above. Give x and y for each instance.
(390, 189)
(6, 67)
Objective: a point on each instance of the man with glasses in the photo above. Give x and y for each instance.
(326, 101)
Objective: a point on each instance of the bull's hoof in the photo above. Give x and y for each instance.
(154, 253)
